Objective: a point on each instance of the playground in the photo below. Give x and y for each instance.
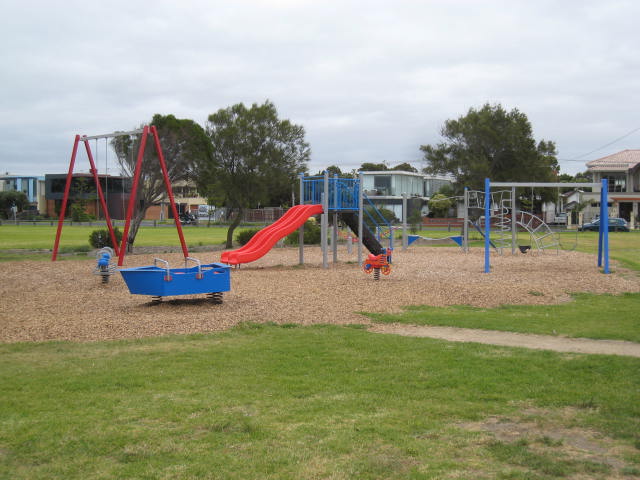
(64, 301)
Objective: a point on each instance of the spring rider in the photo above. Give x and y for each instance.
(104, 266)
(378, 263)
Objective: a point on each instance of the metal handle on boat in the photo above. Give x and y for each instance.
(186, 260)
(155, 264)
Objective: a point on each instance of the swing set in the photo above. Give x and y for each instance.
(121, 249)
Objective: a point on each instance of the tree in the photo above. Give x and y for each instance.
(184, 144)
(373, 167)
(405, 167)
(491, 142)
(439, 205)
(256, 158)
(373, 219)
(332, 169)
(583, 177)
(335, 170)
(12, 198)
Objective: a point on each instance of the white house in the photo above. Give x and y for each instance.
(385, 189)
(622, 171)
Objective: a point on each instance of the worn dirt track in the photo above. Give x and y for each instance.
(510, 339)
(65, 301)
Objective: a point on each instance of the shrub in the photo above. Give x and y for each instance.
(371, 217)
(415, 221)
(78, 213)
(440, 205)
(243, 236)
(100, 238)
(311, 234)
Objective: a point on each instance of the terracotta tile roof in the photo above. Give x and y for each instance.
(621, 162)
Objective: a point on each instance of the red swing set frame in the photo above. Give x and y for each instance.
(122, 248)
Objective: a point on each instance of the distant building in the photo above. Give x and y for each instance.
(185, 194)
(29, 185)
(116, 190)
(622, 171)
(385, 189)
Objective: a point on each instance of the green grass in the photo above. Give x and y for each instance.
(623, 246)
(266, 402)
(613, 317)
(32, 237)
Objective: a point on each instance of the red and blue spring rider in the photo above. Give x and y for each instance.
(378, 263)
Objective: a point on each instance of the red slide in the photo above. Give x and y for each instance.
(266, 238)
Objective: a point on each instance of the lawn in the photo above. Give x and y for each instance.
(75, 239)
(267, 402)
(292, 402)
(590, 316)
(42, 237)
(612, 317)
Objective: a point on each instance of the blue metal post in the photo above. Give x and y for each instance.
(604, 226)
(301, 229)
(487, 225)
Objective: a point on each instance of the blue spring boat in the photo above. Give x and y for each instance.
(212, 279)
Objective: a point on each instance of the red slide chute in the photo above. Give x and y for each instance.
(266, 238)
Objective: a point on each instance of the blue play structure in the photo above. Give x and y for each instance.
(603, 237)
(342, 193)
(344, 197)
(212, 279)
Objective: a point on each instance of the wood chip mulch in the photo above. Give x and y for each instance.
(64, 301)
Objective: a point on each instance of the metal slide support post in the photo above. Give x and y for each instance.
(360, 217)
(487, 225)
(167, 182)
(301, 229)
(132, 198)
(324, 221)
(334, 237)
(465, 226)
(103, 203)
(405, 239)
(514, 230)
(65, 198)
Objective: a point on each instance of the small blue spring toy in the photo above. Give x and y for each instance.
(104, 267)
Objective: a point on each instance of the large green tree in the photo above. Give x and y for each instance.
(184, 145)
(491, 142)
(256, 159)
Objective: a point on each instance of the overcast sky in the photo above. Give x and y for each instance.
(370, 81)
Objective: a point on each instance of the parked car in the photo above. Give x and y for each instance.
(560, 219)
(615, 225)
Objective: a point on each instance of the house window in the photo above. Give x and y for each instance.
(616, 182)
(382, 183)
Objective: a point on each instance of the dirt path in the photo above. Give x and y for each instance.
(509, 339)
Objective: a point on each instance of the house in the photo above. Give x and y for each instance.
(385, 189)
(187, 200)
(31, 186)
(622, 171)
(116, 191)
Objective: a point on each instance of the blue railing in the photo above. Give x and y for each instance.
(343, 192)
(377, 219)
